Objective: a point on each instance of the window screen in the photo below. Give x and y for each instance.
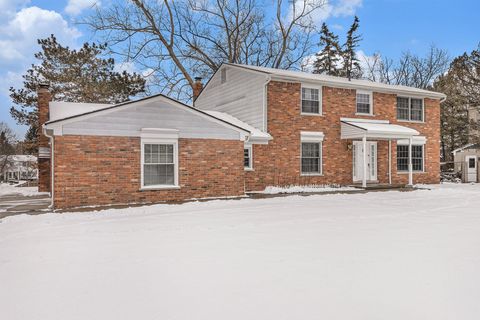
(158, 165)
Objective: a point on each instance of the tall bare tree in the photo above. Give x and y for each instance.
(410, 69)
(179, 40)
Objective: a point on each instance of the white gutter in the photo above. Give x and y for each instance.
(265, 101)
(52, 167)
(341, 84)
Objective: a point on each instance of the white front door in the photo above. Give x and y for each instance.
(471, 168)
(358, 161)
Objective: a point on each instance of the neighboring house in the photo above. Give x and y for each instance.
(466, 158)
(20, 167)
(251, 127)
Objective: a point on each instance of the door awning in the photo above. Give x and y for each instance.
(374, 129)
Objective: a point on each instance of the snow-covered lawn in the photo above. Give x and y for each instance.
(10, 189)
(381, 255)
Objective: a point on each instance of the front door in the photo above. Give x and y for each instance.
(471, 168)
(358, 161)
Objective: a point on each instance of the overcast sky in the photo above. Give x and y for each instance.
(387, 26)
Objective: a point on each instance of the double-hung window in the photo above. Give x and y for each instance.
(311, 100)
(417, 158)
(247, 158)
(364, 102)
(311, 153)
(159, 155)
(410, 109)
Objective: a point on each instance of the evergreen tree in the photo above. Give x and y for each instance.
(351, 65)
(74, 76)
(327, 60)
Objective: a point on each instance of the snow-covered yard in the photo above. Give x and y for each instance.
(381, 255)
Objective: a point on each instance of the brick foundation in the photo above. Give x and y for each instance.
(98, 170)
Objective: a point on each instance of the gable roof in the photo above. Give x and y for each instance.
(281, 74)
(133, 102)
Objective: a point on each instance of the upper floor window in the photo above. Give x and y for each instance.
(311, 100)
(410, 109)
(364, 102)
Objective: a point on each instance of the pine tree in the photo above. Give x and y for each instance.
(351, 65)
(327, 60)
(74, 76)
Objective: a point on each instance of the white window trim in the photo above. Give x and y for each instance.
(159, 136)
(320, 104)
(410, 109)
(250, 156)
(370, 95)
(401, 143)
(312, 137)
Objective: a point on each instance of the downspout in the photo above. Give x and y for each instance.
(265, 101)
(52, 164)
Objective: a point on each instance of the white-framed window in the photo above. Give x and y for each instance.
(410, 109)
(248, 158)
(364, 102)
(159, 159)
(311, 144)
(311, 100)
(417, 158)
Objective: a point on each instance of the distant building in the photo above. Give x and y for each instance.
(20, 167)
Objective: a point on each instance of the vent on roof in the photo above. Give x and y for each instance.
(223, 76)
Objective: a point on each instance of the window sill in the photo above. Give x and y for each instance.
(414, 172)
(311, 114)
(410, 121)
(160, 187)
(248, 169)
(364, 114)
(311, 174)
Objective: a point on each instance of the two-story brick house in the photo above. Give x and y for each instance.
(320, 126)
(251, 127)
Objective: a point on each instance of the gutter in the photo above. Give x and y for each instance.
(46, 132)
(265, 101)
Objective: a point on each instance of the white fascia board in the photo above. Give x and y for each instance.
(356, 86)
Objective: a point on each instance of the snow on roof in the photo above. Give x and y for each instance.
(60, 110)
(374, 129)
(255, 133)
(343, 82)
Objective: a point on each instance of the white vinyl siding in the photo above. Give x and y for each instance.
(241, 95)
(128, 122)
(311, 100)
(410, 109)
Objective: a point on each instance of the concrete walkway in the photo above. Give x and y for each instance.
(13, 204)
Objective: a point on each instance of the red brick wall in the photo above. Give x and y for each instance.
(44, 175)
(278, 163)
(98, 170)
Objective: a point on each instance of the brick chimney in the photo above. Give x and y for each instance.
(197, 88)
(44, 152)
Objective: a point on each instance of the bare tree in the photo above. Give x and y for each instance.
(178, 40)
(7, 148)
(410, 70)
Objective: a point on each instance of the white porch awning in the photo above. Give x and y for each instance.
(374, 129)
